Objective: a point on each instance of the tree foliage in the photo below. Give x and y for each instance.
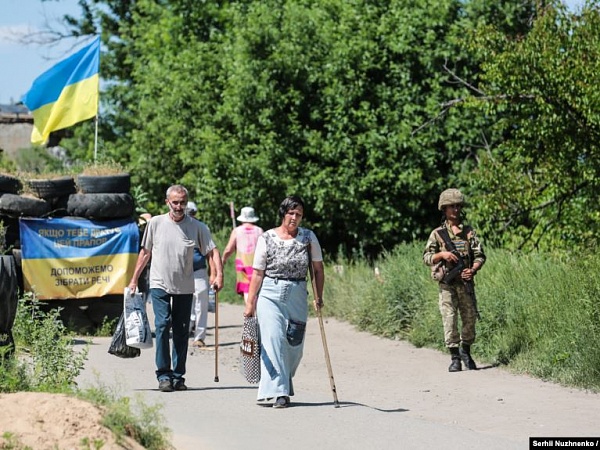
(249, 101)
(535, 186)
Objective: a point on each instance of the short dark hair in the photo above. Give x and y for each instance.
(290, 202)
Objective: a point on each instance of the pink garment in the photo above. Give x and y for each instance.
(246, 236)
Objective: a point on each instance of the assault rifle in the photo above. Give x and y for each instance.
(456, 270)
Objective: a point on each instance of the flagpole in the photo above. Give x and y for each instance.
(96, 140)
(97, 112)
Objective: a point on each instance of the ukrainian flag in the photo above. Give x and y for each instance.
(65, 94)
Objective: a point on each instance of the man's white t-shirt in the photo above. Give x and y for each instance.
(171, 245)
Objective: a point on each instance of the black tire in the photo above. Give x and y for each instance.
(11, 231)
(8, 298)
(100, 206)
(107, 308)
(104, 184)
(9, 185)
(73, 314)
(49, 189)
(58, 206)
(17, 206)
(17, 255)
(19, 266)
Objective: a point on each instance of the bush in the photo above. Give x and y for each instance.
(44, 359)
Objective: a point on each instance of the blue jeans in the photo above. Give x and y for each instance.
(177, 319)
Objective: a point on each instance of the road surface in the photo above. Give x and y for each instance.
(391, 395)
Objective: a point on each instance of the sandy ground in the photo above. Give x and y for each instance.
(53, 421)
(390, 393)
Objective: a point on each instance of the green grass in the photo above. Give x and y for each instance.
(540, 312)
(44, 359)
(129, 417)
(9, 441)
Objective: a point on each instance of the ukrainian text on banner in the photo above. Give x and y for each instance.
(77, 258)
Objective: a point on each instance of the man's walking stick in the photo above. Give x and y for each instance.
(216, 334)
(336, 403)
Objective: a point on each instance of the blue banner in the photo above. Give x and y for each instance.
(69, 258)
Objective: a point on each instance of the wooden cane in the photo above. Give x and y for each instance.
(336, 403)
(216, 334)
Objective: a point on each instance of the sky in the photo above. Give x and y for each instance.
(21, 64)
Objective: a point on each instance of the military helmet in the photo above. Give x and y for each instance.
(450, 197)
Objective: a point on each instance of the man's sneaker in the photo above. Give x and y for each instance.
(179, 385)
(265, 401)
(281, 402)
(165, 386)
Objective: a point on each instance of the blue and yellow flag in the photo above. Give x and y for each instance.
(67, 258)
(65, 94)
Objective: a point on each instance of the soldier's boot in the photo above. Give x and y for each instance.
(465, 355)
(455, 364)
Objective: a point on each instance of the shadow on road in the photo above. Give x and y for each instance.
(348, 405)
(215, 388)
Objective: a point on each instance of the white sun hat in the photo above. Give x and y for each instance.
(247, 215)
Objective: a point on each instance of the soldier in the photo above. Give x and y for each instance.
(455, 255)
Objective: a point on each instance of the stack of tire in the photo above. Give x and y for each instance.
(9, 186)
(94, 197)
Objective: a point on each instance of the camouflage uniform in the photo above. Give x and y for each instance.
(453, 299)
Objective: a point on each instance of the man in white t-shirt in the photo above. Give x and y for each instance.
(169, 240)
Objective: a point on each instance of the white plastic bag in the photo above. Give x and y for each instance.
(137, 327)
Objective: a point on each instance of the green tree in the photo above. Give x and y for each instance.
(251, 101)
(536, 186)
(297, 97)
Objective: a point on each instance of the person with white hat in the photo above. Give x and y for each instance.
(243, 241)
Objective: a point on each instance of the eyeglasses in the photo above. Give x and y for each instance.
(177, 203)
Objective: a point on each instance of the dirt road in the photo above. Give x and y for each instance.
(392, 395)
